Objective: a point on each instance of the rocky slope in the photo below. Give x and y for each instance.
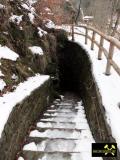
(22, 32)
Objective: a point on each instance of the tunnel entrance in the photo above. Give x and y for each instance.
(75, 75)
(74, 67)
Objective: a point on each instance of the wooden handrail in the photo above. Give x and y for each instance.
(109, 55)
(108, 38)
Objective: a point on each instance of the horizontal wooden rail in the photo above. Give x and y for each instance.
(108, 38)
(108, 54)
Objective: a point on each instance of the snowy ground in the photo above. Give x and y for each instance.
(9, 100)
(109, 86)
(7, 53)
(36, 50)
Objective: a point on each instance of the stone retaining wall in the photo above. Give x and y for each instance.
(21, 118)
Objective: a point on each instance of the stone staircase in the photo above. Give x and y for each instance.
(62, 134)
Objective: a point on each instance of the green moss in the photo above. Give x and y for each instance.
(8, 81)
(3, 39)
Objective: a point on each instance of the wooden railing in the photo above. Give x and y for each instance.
(102, 50)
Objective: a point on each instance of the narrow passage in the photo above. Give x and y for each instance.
(61, 134)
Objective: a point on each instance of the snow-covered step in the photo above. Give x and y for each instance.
(57, 128)
(55, 134)
(64, 110)
(80, 118)
(32, 155)
(60, 114)
(60, 145)
(59, 111)
(40, 139)
(64, 115)
(65, 104)
(53, 122)
(62, 125)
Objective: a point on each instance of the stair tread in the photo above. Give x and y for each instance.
(33, 155)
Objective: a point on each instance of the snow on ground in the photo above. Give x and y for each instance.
(2, 6)
(14, 77)
(36, 50)
(9, 100)
(31, 146)
(7, 53)
(31, 17)
(116, 56)
(31, 2)
(47, 9)
(49, 24)
(16, 19)
(109, 86)
(25, 6)
(28, 6)
(1, 74)
(41, 32)
(88, 17)
(20, 158)
(2, 84)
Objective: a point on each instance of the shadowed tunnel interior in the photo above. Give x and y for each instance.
(74, 67)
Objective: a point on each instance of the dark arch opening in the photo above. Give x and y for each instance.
(74, 67)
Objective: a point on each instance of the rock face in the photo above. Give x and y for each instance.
(23, 116)
(18, 33)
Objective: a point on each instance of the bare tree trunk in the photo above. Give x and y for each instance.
(115, 4)
(78, 13)
(111, 18)
(116, 24)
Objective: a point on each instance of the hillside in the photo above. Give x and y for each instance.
(25, 45)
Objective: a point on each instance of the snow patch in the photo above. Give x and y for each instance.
(14, 77)
(41, 32)
(31, 2)
(16, 19)
(25, 6)
(7, 53)
(2, 84)
(1, 74)
(20, 158)
(47, 9)
(31, 17)
(49, 24)
(31, 147)
(36, 50)
(2, 6)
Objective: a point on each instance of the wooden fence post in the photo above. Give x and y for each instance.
(86, 35)
(92, 42)
(73, 38)
(100, 48)
(110, 56)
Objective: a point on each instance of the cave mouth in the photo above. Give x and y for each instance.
(74, 67)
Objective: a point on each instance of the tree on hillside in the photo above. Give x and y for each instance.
(117, 18)
(59, 11)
